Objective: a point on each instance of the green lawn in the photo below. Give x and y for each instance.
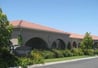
(65, 58)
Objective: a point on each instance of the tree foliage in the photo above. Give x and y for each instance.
(20, 39)
(5, 29)
(87, 42)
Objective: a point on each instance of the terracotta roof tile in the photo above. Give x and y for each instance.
(74, 35)
(78, 36)
(94, 37)
(25, 24)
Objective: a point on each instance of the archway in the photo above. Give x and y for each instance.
(54, 45)
(96, 45)
(37, 43)
(79, 45)
(74, 44)
(69, 45)
(60, 44)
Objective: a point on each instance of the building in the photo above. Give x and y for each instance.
(43, 37)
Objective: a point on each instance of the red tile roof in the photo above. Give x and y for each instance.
(74, 35)
(78, 36)
(25, 24)
(94, 37)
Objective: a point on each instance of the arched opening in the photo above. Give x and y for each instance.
(69, 45)
(79, 45)
(37, 43)
(96, 45)
(60, 44)
(74, 44)
(54, 45)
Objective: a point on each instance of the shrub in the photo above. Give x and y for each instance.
(81, 52)
(9, 61)
(14, 61)
(4, 59)
(67, 53)
(37, 57)
(24, 61)
(4, 51)
(77, 52)
(96, 51)
(47, 54)
(58, 53)
(89, 52)
(3, 64)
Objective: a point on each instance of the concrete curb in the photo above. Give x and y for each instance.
(51, 63)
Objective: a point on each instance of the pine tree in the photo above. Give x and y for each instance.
(87, 42)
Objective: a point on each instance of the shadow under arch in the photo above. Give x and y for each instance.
(58, 44)
(79, 45)
(74, 44)
(69, 45)
(54, 45)
(95, 45)
(37, 43)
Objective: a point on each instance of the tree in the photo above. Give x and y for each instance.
(87, 42)
(5, 30)
(5, 35)
(20, 40)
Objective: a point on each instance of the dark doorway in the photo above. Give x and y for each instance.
(54, 45)
(79, 45)
(69, 45)
(37, 43)
(96, 45)
(60, 44)
(74, 44)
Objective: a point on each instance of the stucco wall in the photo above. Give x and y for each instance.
(48, 37)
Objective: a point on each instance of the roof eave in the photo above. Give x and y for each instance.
(40, 30)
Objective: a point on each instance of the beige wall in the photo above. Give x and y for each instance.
(48, 37)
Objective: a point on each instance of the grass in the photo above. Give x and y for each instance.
(65, 58)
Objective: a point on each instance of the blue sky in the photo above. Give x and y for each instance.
(77, 16)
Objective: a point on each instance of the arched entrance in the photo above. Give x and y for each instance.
(96, 45)
(74, 44)
(79, 45)
(54, 45)
(69, 45)
(37, 43)
(60, 44)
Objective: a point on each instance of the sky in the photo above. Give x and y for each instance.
(76, 16)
